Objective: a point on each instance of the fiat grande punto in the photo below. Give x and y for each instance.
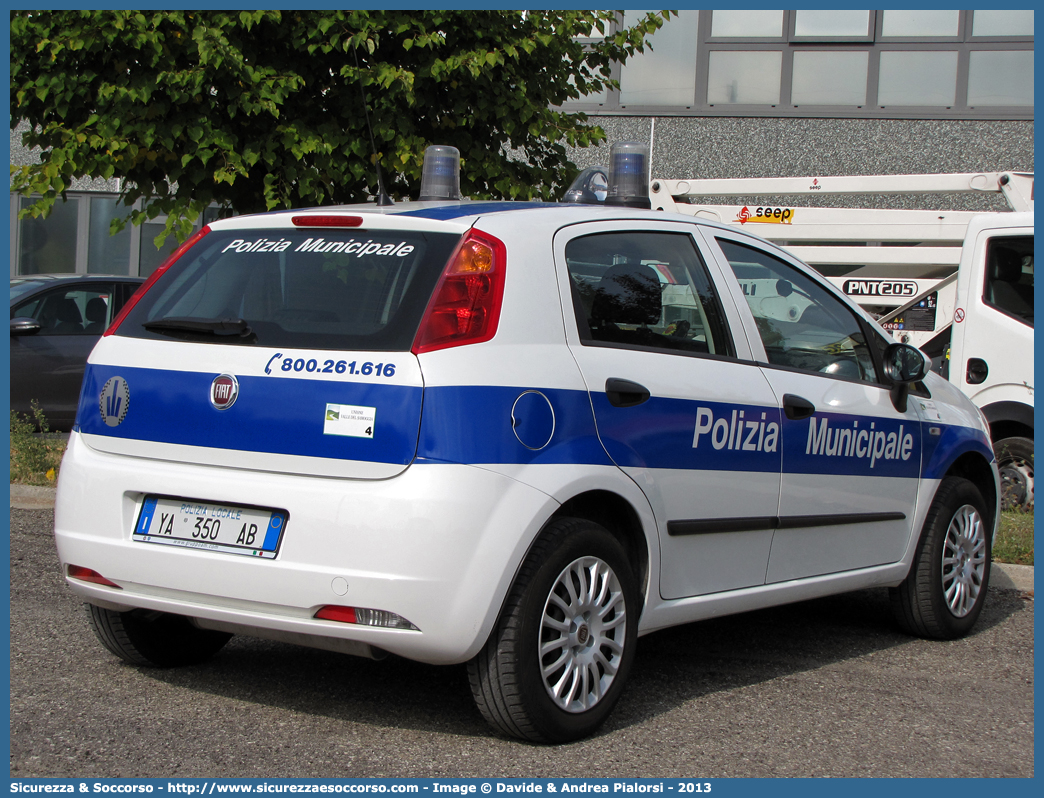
(513, 435)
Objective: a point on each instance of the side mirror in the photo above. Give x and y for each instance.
(23, 325)
(904, 365)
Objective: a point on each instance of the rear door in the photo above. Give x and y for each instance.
(678, 403)
(274, 348)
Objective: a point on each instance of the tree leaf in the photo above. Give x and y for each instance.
(255, 110)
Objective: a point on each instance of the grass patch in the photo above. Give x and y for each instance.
(1014, 543)
(35, 459)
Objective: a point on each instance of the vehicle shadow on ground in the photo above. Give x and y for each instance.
(672, 667)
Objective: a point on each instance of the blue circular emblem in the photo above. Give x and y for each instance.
(114, 401)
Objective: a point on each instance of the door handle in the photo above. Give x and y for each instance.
(624, 393)
(797, 408)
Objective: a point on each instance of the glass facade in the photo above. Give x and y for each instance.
(843, 63)
(936, 82)
(661, 76)
(831, 24)
(1003, 23)
(829, 78)
(107, 254)
(747, 24)
(921, 24)
(48, 245)
(1000, 78)
(149, 256)
(744, 77)
(74, 238)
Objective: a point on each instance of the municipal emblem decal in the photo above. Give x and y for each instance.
(223, 391)
(114, 402)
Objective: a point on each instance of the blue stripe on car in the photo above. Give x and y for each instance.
(942, 450)
(279, 415)
(473, 424)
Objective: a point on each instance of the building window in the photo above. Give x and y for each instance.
(832, 26)
(662, 75)
(1003, 23)
(148, 256)
(936, 82)
(747, 24)
(1000, 78)
(894, 64)
(829, 78)
(744, 77)
(107, 254)
(48, 245)
(921, 24)
(75, 238)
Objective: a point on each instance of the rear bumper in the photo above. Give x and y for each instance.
(399, 544)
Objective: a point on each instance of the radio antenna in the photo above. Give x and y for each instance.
(383, 200)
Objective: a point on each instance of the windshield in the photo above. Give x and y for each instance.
(20, 287)
(309, 289)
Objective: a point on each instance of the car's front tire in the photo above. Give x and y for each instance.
(154, 639)
(556, 663)
(943, 594)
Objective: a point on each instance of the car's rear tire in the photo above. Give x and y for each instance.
(154, 639)
(943, 594)
(1015, 461)
(556, 662)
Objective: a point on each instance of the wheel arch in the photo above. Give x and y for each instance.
(619, 517)
(1009, 420)
(973, 467)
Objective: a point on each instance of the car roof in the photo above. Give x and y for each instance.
(464, 213)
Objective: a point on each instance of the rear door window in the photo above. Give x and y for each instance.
(341, 289)
(645, 289)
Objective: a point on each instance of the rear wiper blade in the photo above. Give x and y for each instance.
(193, 324)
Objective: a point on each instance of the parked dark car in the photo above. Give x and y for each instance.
(56, 319)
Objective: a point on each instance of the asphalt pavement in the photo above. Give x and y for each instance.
(821, 688)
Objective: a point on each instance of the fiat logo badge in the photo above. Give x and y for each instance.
(223, 391)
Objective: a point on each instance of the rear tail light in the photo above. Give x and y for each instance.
(155, 276)
(465, 307)
(87, 575)
(364, 617)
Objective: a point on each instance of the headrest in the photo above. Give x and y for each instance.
(1007, 265)
(96, 310)
(628, 293)
(68, 312)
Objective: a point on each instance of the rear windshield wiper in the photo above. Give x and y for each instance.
(223, 328)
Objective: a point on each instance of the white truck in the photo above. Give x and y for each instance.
(957, 284)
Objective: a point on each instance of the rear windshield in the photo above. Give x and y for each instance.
(308, 289)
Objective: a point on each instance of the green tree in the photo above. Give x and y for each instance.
(262, 110)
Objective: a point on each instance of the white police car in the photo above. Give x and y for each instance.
(517, 435)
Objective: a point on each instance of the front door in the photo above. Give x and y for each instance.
(851, 460)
